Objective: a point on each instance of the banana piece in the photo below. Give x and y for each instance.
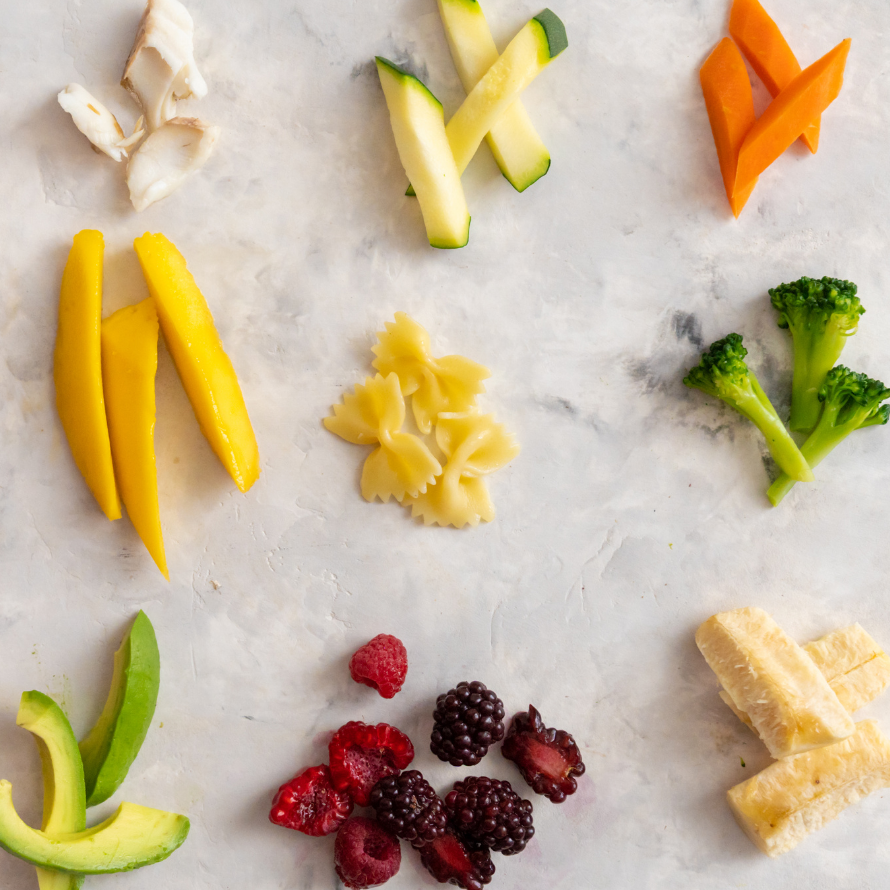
(796, 796)
(856, 667)
(771, 679)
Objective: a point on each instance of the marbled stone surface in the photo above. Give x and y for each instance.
(635, 510)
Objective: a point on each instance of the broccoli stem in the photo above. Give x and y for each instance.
(823, 440)
(782, 447)
(815, 354)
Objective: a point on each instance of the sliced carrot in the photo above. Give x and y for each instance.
(760, 39)
(789, 114)
(727, 91)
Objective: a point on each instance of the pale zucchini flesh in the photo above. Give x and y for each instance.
(418, 125)
(528, 53)
(517, 148)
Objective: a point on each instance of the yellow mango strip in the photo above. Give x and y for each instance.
(77, 369)
(129, 365)
(204, 368)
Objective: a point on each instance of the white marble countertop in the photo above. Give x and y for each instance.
(635, 510)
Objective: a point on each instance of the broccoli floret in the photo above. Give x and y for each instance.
(820, 314)
(850, 401)
(723, 373)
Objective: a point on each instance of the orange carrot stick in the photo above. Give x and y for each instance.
(760, 39)
(727, 91)
(789, 114)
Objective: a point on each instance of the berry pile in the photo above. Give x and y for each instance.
(454, 837)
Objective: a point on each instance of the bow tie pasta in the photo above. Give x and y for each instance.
(401, 466)
(475, 446)
(448, 384)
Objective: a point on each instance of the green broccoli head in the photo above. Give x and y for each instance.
(853, 399)
(816, 300)
(821, 314)
(722, 373)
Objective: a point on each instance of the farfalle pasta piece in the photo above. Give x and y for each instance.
(448, 384)
(475, 446)
(402, 466)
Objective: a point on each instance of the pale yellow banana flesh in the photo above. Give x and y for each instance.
(770, 678)
(856, 667)
(796, 796)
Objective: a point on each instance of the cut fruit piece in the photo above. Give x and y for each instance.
(129, 365)
(204, 368)
(64, 798)
(517, 148)
(418, 125)
(856, 667)
(730, 105)
(539, 42)
(111, 746)
(133, 837)
(770, 678)
(790, 113)
(790, 799)
(77, 369)
(760, 39)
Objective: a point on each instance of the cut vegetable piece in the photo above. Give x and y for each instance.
(64, 799)
(418, 125)
(77, 369)
(730, 105)
(129, 365)
(171, 154)
(111, 746)
(518, 150)
(133, 837)
(770, 678)
(760, 39)
(789, 114)
(539, 42)
(856, 667)
(204, 368)
(790, 799)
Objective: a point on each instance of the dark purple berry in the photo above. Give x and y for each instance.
(450, 860)
(490, 813)
(407, 806)
(467, 720)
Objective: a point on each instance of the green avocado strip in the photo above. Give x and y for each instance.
(64, 799)
(133, 837)
(110, 747)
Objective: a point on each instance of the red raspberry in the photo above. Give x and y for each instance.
(548, 759)
(361, 755)
(365, 854)
(450, 861)
(310, 803)
(381, 664)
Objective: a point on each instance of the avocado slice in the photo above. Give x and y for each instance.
(110, 747)
(64, 798)
(133, 837)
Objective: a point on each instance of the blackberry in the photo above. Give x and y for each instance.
(490, 813)
(450, 860)
(467, 719)
(407, 806)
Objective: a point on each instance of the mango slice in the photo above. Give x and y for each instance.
(204, 368)
(129, 365)
(77, 369)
